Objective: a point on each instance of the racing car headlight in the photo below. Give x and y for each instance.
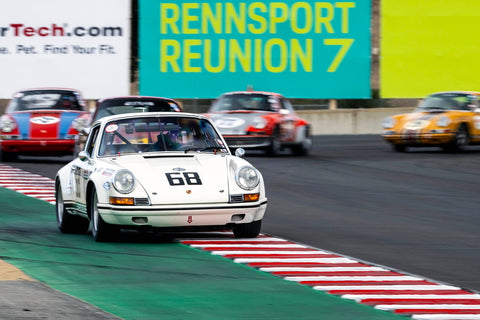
(443, 121)
(7, 124)
(124, 181)
(388, 123)
(259, 123)
(247, 178)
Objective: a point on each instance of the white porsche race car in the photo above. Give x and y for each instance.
(158, 170)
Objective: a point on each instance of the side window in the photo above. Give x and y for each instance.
(287, 105)
(92, 138)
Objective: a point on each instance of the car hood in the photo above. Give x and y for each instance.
(418, 120)
(180, 178)
(235, 122)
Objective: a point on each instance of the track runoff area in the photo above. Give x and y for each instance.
(377, 286)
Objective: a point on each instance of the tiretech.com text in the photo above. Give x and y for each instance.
(59, 30)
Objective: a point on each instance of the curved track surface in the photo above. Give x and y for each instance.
(416, 211)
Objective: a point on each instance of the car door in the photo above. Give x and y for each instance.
(83, 168)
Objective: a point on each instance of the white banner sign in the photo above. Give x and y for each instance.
(80, 44)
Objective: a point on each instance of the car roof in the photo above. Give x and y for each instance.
(48, 88)
(137, 97)
(457, 91)
(137, 115)
(253, 92)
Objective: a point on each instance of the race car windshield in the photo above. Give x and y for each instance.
(446, 101)
(249, 102)
(159, 134)
(45, 99)
(127, 105)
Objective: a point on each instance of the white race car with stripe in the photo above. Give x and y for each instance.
(158, 170)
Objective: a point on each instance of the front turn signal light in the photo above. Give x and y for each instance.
(122, 201)
(251, 197)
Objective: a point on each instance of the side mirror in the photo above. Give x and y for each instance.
(240, 152)
(85, 131)
(83, 156)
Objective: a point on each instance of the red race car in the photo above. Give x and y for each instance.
(260, 120)
(41, 122)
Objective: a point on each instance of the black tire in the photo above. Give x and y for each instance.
(304, 147)
(399, 147)
(6, 156)
(248, 230)
(101, 231)
(66, 222)
(460, 140)
(275, 144)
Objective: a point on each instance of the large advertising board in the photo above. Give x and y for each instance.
(83, 45)
(302, 49)
(428, 46)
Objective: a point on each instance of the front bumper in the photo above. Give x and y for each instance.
(40, 147)
(419, 139)
(182, 215)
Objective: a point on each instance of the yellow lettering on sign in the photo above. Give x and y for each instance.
(214, 19)
(188, 55)
(242, 56)
(294, 17)
(262, 21)
(187, 17)
(345, 6)
(222, 54)
(345, 45)
(282, 48)
(304, 56)
(276, 19)
(321, 19)
(232, 17)
(169, 55)
(170, 14)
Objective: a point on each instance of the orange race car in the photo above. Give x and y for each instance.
(450, 120)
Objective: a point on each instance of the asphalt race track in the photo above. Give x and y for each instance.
(417, 211)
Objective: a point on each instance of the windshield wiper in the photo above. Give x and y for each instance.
(213, 148)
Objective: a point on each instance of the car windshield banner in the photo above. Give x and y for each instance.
(303, 49)
(83, 45)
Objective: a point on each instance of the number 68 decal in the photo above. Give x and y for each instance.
(180, 179)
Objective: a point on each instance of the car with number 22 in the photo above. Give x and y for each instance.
(158, 171)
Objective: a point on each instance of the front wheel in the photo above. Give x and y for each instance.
(6, 156)
(275, 144)
(101, 231)
(247, 230)
(66, 222)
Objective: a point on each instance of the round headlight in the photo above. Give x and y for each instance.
(124, 181)
(7, 124)
(443, 121)
(259, 123)
(247, 178)
(388, 123)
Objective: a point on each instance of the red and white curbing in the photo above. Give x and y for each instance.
(377, 286)
(30, 184)
(382, 288)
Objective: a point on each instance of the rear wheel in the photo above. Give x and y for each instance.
(304, 147)
(248, 230)
(101, 231)
(66, 222)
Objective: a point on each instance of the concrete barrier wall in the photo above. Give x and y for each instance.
(349, 121)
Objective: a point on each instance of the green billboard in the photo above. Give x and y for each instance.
(301, 49)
